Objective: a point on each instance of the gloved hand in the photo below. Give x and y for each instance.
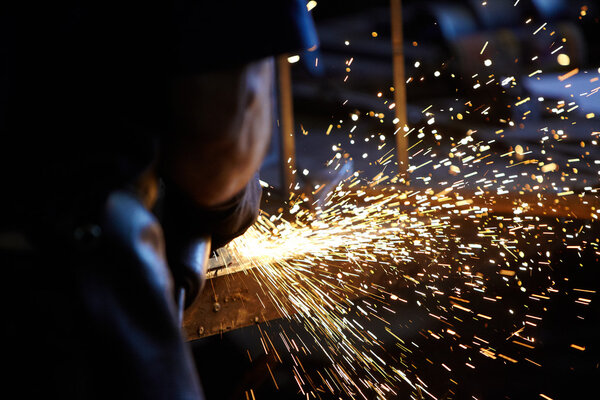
(193, 232)
(188, 262)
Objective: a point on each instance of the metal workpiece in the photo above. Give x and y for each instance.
(239, 305)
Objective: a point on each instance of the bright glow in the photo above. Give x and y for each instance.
(563, 59)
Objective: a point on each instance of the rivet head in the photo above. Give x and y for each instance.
(216, 307)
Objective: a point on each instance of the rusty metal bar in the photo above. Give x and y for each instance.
(235, 300)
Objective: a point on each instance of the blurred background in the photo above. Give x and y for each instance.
(467, 63)
(518, 76)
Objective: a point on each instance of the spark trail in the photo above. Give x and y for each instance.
(477, 247)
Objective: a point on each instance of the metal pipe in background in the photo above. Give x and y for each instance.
(399, 86)
(286, 118)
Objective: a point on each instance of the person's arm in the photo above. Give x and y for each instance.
(222, 114)
(221, 130)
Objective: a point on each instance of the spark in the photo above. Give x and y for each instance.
(463, 248)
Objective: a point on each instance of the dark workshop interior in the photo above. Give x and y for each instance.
(519, 79)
